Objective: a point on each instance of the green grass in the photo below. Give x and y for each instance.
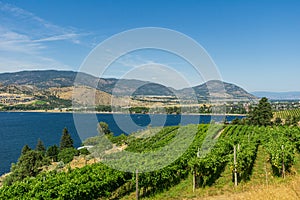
(260, 167)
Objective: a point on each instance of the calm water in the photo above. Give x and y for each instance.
(20, 128)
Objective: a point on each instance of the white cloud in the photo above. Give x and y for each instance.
(25, 39)
(69, 36)
(15, 42)
(29, 24)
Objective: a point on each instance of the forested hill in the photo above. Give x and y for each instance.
(52, 78)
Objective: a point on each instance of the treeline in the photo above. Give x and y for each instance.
(262, 115)
(31, 161)
(176, 109)
(202, 109)
(42, 103)
(54, 102)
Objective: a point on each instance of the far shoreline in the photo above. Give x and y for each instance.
(96, 112)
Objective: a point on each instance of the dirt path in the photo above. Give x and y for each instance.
(219, 134)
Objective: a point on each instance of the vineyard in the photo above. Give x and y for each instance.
(215, 149)
(284, 114)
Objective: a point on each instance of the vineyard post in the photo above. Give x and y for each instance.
(283, 167)
(234, 162)
(194, 171)
(194, 179)
(137, 184)
(266, 172)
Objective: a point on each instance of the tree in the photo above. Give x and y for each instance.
(84, 151)
(288, 120)
(278, 121)
(65, 140)
(28, 164)
(66, 155)
(261, 114)
(40, 146)
(103, 128)
(52, 153)
(294, 121)
(25, 149)
(236, 121)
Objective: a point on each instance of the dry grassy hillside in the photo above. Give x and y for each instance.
(288, 191)
(82, 95)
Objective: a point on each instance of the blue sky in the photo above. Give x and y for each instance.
(255, 44)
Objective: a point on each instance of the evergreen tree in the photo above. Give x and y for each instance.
(52, 153)
(65, 140)
(261, 114)
(28, 164)
(278, 121)
(40, 146)
(25, 149)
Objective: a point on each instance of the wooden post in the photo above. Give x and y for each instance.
(194, 172)
(194, 180)
(283, 167)
(266, 173)
(234, 162)
(137, 184)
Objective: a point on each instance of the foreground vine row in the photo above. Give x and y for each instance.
(210, 152)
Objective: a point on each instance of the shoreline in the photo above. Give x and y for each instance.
(95, 112)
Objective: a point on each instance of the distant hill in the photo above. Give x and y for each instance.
(40, 79)
(46, 79)
(278, 95)
(216, 89)
(125, 87)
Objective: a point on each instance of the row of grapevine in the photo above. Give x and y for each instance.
(99, 181)
(280, 148)
(159, 139)
(170, 175)
(89, 182)
(207, 168)
(293, 133)
(247, 143)
(285, 113)
(229, 130)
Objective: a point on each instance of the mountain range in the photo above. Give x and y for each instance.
(49, 79)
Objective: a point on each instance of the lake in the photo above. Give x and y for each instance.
(20, 128)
